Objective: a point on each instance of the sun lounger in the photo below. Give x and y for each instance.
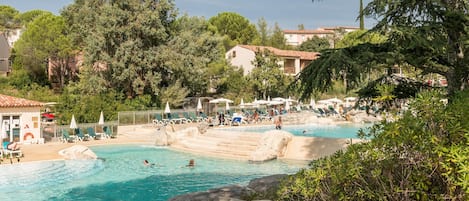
(80, 136)
(93, 135)
(11, 153)
(66, 137)
(108, 132)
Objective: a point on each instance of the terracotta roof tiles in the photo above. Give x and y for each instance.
(283, 53)
(10, 101)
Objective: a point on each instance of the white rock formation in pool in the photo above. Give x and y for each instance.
(230, 144)
(272, 145)
(78, 152)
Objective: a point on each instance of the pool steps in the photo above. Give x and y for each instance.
(221, 144)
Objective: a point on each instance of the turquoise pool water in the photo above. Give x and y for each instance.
(121, 175)
(310, 130)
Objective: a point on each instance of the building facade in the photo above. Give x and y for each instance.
(292, 62)
(297, 37)
(20, 119)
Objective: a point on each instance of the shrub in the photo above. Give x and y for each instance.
(421, 156)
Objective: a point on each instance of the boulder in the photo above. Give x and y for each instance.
(226, 193)
(260, 188)
(78, 152)
(272, 145)
(165, 137)
(268, 184)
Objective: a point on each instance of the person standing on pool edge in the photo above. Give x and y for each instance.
(278, 123)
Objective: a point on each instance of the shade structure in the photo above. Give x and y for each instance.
(287, 105)
(101, 119)
(73, 123)
(166, 109)
(199, 105)
(335, 100)
(312, 103)
(241, 105)
(221, 100)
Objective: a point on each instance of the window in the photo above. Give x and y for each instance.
(233, 54)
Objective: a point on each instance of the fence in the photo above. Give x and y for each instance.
(52, 132)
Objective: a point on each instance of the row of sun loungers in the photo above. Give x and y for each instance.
(80, 135)
(175, 118)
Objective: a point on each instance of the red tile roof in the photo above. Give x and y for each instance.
(10, 101)
(283, 53)
(317, 31)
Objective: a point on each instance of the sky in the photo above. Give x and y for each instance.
(287, 13)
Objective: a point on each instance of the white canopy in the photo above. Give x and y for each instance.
(199, 105)
(166, 109)
(73, 123)
(221, 100)
(101, 119)
(351, 98)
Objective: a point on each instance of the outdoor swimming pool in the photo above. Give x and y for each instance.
(309, 130)
(121, 175)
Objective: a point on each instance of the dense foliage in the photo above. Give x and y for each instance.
(430, 36)
(421, 156)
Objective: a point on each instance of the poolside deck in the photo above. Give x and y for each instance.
(300, 149)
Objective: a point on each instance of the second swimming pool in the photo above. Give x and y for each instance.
(309, 130)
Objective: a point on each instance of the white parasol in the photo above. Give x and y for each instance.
(287, 105)
(199, 105)
(312, 103)
(101, 119)
(73, 123)
(166, 109)
(241, 105)
(221, 100)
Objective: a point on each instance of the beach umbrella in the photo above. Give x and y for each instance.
(101, 119)
(242, 103)
(199, 105)
(73, 123)
(221, 100)
(334, 100)
(287, 105)
(312, 103)
(166, 109)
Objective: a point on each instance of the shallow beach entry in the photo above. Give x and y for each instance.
(309, 130)
(121, 175)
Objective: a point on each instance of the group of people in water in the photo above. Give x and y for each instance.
(191, 163)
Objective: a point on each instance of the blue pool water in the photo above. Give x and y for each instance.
(310, 130)
(121, 175)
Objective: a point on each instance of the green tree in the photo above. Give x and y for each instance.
(45, 39)
(122, 44)
(236, 28)
(264, 33)
(314, 44)
(267, 77)
(29, 16)
(9, 18)
(427, 35)
(277, 39)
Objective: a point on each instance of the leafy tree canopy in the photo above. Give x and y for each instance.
(236, 28)
(9, 18)
(314, 44)
(428, 35)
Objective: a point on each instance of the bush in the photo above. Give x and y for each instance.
(422, 156)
